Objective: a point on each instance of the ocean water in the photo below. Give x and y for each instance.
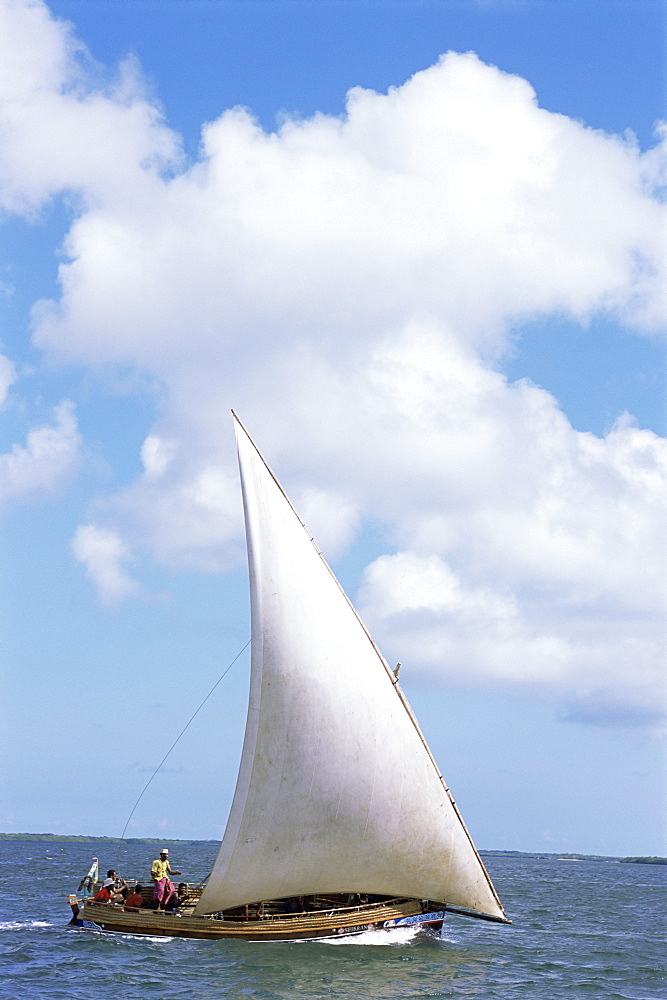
(581, 929)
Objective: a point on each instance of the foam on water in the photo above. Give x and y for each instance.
(161, 939)
(17, 925)
(378, 938)
(117, 936)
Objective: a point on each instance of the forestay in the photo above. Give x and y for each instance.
(337, 791)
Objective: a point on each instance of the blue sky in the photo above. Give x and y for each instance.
(437, 301)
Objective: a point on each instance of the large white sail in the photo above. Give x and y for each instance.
(337, 791)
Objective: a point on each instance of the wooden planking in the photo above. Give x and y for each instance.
(311, 925)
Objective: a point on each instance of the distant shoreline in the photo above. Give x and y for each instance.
(575, 857)
(76, 838)
(81, 838)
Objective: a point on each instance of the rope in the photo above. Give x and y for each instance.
(191, 719)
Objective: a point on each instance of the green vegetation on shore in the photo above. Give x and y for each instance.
(78, 838)
(644, 861)
(560, 855)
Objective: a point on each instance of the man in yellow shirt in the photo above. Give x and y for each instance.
(163, 887)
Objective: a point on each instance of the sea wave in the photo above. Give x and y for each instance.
(17, 925)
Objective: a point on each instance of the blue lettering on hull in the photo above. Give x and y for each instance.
(418, 918)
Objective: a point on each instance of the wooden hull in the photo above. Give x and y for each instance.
(298, 927)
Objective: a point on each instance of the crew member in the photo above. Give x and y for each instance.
(163, 887)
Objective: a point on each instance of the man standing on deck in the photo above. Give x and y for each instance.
(162, 886)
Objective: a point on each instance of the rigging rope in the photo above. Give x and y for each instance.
(192, 717)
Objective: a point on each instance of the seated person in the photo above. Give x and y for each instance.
(135, 899)
(177, 897)
(119, 883)
(107, 894)
(120, 889)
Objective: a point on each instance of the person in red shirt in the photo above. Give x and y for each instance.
(135, 899)
(106, 893)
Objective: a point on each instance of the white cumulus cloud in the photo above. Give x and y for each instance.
(63, 126)
(103, 553)
(49, 456)
(348, 284)
(7, 377)
(156, 454)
